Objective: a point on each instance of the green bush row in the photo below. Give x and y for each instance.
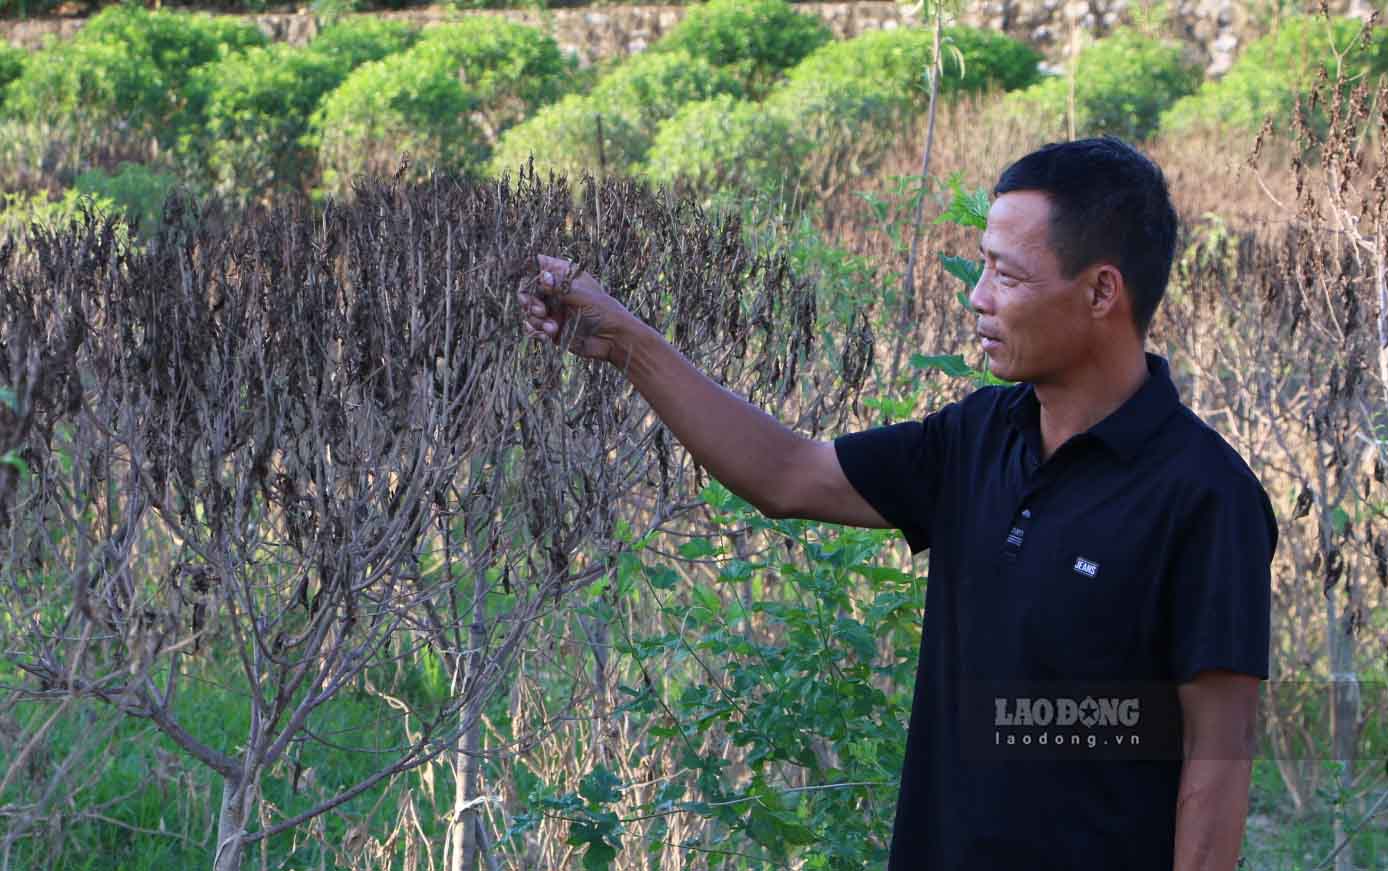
(259, 103)
(1266, 78)
(710, 120)
(127, 68)
(1121, 85)
(896, 61)
(37, 8)
(741, 92)
(12, 62)
(445, 101)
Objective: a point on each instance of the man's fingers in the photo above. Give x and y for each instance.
(539, 325)
(557, 266)
(531, 306)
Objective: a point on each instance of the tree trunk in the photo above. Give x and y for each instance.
(1344, 713)
(1381, 294)
(908, 283)
(238, 800)
(463, 833)
(467, 763)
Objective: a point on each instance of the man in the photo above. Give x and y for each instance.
(1083, 526)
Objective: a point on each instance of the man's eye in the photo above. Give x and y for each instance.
(1007, 279)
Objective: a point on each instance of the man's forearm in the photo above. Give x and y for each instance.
(1211, 807)
(740, 445)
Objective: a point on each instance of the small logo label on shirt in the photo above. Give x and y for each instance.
(1088, 568)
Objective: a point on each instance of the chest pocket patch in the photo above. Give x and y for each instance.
(1085, 620)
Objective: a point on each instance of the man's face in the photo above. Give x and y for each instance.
(1034, 324)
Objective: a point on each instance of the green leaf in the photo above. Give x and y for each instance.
(598, 857)
(707, 598)
(600, 786)
(773, 829)
(886, 604)
(737, 570)
(1339, 519)
(11, 458)
(697, 548)
(856, 636)
(991, 380)
(966, 208)
(964, 269)
(601, 833)
(716, 495)
(662, 577)
(881, 574)
(952, 365)
(564, 803)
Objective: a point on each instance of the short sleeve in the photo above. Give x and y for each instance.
(1221, 584)
(897, 469)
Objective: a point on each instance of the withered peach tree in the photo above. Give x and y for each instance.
(312, 444)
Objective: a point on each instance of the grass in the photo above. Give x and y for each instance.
(157, 807)
(144, 782)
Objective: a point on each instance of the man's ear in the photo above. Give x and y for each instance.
(1106, 289)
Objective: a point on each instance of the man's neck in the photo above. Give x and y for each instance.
(1086, 395)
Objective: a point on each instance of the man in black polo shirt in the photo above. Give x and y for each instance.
(1099, 558)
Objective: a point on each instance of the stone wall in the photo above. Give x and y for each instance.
(1215, 29)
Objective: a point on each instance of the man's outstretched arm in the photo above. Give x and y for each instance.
(1219, 713)
(774, 468)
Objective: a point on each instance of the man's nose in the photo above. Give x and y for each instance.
(981, 297)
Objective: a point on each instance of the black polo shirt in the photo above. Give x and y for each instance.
(1137, 555)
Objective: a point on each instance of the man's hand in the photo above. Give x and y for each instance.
(780, 472)
(558, 299)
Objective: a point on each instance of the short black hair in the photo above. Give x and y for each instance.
(1108, 202)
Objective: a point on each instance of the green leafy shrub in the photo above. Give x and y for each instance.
(632, 100)
(11, 66)
(1266, 78)
(758, 38)
(359, 40)
(807, 136)
(258, 106)
(133, 190)
(653, 86)
(83, 93)
(821, 687)
(896, 60)
(175, 42)
(563, 138)
(723, 143)
(1122, 85)
(258, 103)
(444, 102)
(127, 69)
(839, 128)
(19, 211)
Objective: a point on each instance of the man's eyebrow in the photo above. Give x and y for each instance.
(1002, 258)
(1012, 266)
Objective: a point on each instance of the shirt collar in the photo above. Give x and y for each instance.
(1123, 432)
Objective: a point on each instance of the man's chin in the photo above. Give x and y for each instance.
(998, 368)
